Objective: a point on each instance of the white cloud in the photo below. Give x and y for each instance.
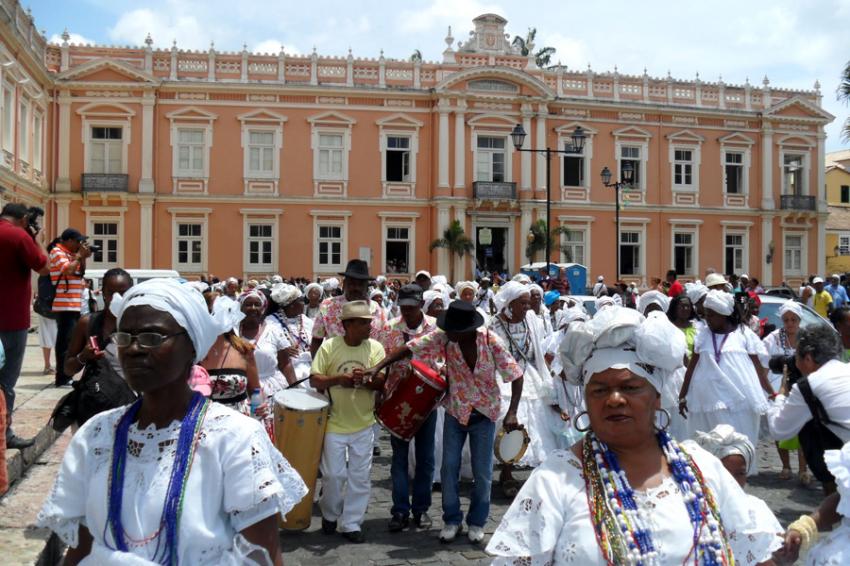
(75, 39)
(442, 13)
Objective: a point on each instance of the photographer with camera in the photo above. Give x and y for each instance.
(67, 268)
(19, 256)
(817, 409)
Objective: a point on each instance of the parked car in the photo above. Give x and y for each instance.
(138, 275)
(784, 292)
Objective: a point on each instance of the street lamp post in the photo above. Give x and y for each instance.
(628, 177)
(578, 137)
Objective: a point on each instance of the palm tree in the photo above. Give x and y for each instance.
(542, 57)
(844, 96)
(537, 240)
(456, 242)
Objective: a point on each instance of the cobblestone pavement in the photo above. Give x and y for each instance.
(786, 498)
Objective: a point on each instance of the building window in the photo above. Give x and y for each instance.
(631, 154)
(573, 169)
(190, 242)
(630, 253)
(190, 152)
(683, 167)
(794, 253)
(24, 133)
(398, 159)
(330, 246)
(844, 244)
(260, 246)
(330, 156)
(490, 165)
(792, 178)
(573, 246)
(683, 253)
(261, 150)
(8, 119)
(734, 254)
(845, 194)
(105, 236)
(37, 136)
(734, 169)
(106, 150)
(397, 252)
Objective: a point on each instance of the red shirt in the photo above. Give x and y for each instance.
(19, 256)
(676, 288)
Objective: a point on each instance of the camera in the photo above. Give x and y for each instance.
(34, 214)
(777, 364)
(94, 248)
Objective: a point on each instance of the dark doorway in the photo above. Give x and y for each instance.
(490, 251)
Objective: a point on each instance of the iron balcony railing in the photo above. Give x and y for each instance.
(797, 202)
(105, 182)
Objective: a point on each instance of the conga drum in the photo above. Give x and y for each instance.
(300, 417)
(407, 406)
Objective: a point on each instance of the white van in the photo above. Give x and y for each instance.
(138, 275)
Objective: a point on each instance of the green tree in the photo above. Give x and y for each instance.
(844, 96)
(525, 45)
(456, 242)
(536, 241)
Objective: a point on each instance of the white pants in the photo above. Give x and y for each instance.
(349, 507)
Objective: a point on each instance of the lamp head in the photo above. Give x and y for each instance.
(579, 138)
(518, 136)
(628, 173)
(606, 176)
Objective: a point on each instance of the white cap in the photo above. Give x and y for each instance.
(714, 279)
(422, 272)
(600, 278)
(817, 280)
(837, 276)
(744, 276)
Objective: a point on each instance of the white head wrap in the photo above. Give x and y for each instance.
(838, 462)
(332, 283)
(312, 286)
(276, 279)
(284, 294)
(508, 293)
(180, 301)
(521, 278)
(724, 441)
(439, 280)
(227, 313)
(653, 298)
(695, 291)
(720, 302)
(618, 300)
(462, 285)
(429, 297)
(380, 279)
(604, 302)
(536, 287)
(791, 306)
(567, 316)
(199, 286)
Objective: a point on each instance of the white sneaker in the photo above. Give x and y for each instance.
(449, 533)
(476, 534)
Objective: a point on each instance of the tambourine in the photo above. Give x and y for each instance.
(510, 446)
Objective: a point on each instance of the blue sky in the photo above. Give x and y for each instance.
(793, 42)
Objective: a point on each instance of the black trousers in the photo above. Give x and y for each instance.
(65, 323)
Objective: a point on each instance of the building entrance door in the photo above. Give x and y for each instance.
(490, 244)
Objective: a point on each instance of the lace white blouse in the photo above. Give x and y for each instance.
(549, 521)
(237, 479)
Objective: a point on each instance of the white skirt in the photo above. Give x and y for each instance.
(833, 549)
(46, 332)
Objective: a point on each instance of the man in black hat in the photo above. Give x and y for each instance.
(474, 360)
(412, 323)
(355, 287)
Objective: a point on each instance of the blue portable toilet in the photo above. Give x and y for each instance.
(577, 276)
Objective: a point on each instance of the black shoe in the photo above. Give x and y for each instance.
(355, 536)
(422, 520)
(398, 523)
(376, 451)
(328, 527)
(437, 486)
(15, 442)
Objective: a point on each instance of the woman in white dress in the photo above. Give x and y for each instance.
(314, 293)
(172, 478)
(725, 378)
(628, 493)
(47, 341)
(296, 326)
(541, 312)
(783, 342)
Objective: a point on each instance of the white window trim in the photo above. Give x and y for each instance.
(330, 218)
(696, 159)
(804, 176)
(126, 133)
(804, 255)
(262, 120)
(509, 152)
(644, 158)
(564, 138)
(840, 235)
(190, 216)
(399, 220)
(627, 227)
(25, 144)
(413, 136)
(8, 126)
(577, 225)
(737, 229)
(745, 173)
(683, 228)
(190, 117)
(248, 218)
(38, 160)
(332, 123)
(114, 214)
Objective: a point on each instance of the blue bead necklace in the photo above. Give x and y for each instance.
(165, 551)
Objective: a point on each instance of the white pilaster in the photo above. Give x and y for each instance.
(460, 145)
(821, 251)
(211, 64)
(145, 233)
(524, 227)
(173, 74)
(63, 214)
(460, 263)
(767, 168)
(766, 238)
(443, 150)
(821, 192)
(525, 156)
(442, 225)
(146, 184)
(63, 180)
(541, 144)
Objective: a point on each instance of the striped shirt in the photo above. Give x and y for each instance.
(70, 290)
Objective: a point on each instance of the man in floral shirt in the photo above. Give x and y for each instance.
(412, 323)
(474, 359)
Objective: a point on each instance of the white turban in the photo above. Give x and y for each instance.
(182, 302)
(439, 280)
(462, 285)
(284, 294)
(312, 286)
(199, 286)
(724, 441)
(521, 278)
(509, 292)
(332, 283)
(567, 316)
(380, 279)
(429, 297)
(720, 302)
(695, 291)
(791, 306)
(536, 287)
(653, 298)
(604, 302)
(838, 462)
(227, 313)
(276, 279)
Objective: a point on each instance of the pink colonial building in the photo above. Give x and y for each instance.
(253, 164)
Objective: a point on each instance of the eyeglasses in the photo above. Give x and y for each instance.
(145, 339)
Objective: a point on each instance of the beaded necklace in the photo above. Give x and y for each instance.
(165, 551)
(621, 527)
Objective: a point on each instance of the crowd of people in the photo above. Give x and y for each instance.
(641, 413)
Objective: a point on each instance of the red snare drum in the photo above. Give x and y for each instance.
(411, 401)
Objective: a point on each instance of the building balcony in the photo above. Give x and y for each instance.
(484, 190)
(105, 182)
(797, 202)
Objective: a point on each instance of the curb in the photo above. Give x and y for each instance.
(21, 460)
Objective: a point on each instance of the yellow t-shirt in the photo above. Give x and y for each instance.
(352, 409)
(821, 303)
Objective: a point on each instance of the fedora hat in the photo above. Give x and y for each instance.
(357, 269)
(356, 309)
(459, 317)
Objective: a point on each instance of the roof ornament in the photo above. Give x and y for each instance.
(817, 86)
(449, 39)
(148, 40)
(65, 37)
(765, 81)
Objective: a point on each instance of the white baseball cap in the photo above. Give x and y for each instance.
(600, 278)
(817, 280)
